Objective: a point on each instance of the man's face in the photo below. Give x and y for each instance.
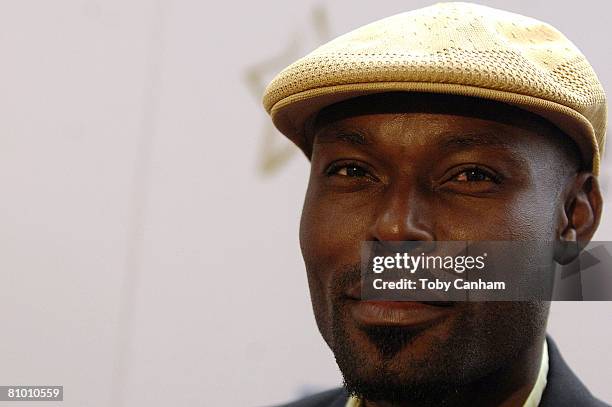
(425, 168)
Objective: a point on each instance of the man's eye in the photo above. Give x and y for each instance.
(350, 170)
(474, 175)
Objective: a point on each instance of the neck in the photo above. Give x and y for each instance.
(508, 386)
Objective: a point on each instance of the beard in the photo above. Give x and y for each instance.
(426, 365)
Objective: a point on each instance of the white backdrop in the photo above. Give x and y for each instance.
(148, 246)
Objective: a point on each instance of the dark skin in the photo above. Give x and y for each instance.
(419, 167)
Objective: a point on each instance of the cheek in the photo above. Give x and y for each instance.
(497, 331)
(530, 216)
(331, 231)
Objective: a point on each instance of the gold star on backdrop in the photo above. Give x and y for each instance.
(274, 149)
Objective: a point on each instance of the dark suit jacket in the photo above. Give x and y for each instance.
(563, 388)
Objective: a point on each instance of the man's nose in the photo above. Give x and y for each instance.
(400, 217)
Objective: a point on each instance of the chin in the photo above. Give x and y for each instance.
(388, 362)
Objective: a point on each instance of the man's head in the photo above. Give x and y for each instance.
(425, 167)
(452, 122)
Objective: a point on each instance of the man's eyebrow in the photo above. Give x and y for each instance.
(351, 137)
(448, 141)
(455, 141)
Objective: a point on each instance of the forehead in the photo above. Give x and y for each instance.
(399, 130)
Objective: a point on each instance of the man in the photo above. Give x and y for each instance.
(452, 122)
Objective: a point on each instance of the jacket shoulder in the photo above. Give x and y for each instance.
(563, 388)
(329, 398)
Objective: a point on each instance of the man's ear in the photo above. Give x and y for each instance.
(579, 217)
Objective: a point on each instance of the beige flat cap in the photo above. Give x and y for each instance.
(450, 48)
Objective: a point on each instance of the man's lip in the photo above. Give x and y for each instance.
(397, 313)
(354, 293)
